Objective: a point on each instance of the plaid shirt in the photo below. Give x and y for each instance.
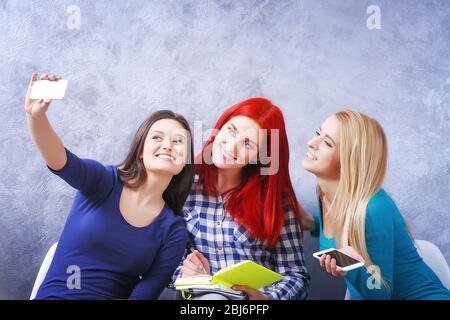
(223, 242)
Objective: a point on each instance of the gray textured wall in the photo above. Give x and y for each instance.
(198, 57)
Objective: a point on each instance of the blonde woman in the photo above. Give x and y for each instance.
(349, 157)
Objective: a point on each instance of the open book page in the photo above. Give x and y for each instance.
(193, 280)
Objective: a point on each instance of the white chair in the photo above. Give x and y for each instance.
(434, 258)
(347, 295)
(43, 270)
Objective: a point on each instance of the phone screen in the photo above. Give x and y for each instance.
(342, 260)
(46, 89)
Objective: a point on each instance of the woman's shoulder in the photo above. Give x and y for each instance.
(113, 176)
(114, 170)
(170, 216)
(381, 199)
(381, 207)
(171, 227)
(171, 221)
(198, 198)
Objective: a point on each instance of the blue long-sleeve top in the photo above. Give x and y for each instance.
(391, 248)
(114, 259)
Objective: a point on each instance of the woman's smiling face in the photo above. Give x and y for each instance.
(322, 158)
(166, 147)
(237, 143)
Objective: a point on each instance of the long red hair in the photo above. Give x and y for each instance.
(259, 202)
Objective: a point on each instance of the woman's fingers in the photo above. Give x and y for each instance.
(331, 266)
(33, 78)
(334, 271)
(186, 272)
(30, 84)
(191, 265)
(203, 260)
(195, 260)
(322, 260)
(200, 260)
(43, 105)
(253, 294)
(189, 269)
(328, 263)
(37, 107)
(52, 77)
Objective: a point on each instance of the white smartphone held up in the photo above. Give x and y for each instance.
(48, 90)
(343, 261)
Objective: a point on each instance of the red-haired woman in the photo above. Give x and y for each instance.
(242, 205)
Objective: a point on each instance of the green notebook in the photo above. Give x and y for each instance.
(247, 273)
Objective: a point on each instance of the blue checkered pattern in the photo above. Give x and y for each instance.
(223, 242)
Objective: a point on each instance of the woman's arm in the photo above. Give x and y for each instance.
(290, 262)
(88, 176)
(159, 275)
(49, 144)
(308, 221)
(379, 234)
(380, 246)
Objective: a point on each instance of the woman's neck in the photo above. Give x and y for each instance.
(151, 191)
(328, 188)
(228, 179)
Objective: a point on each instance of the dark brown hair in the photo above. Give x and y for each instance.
(132, 171)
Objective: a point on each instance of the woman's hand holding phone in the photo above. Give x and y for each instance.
(48, 142)
(35, 108)
(330, 264)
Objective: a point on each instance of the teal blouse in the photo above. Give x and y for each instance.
(391, 249)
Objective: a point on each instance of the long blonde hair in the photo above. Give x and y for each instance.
(363, 159)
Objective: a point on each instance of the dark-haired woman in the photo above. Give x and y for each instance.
(123, 237)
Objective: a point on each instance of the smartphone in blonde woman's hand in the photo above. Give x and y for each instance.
(344, 262)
